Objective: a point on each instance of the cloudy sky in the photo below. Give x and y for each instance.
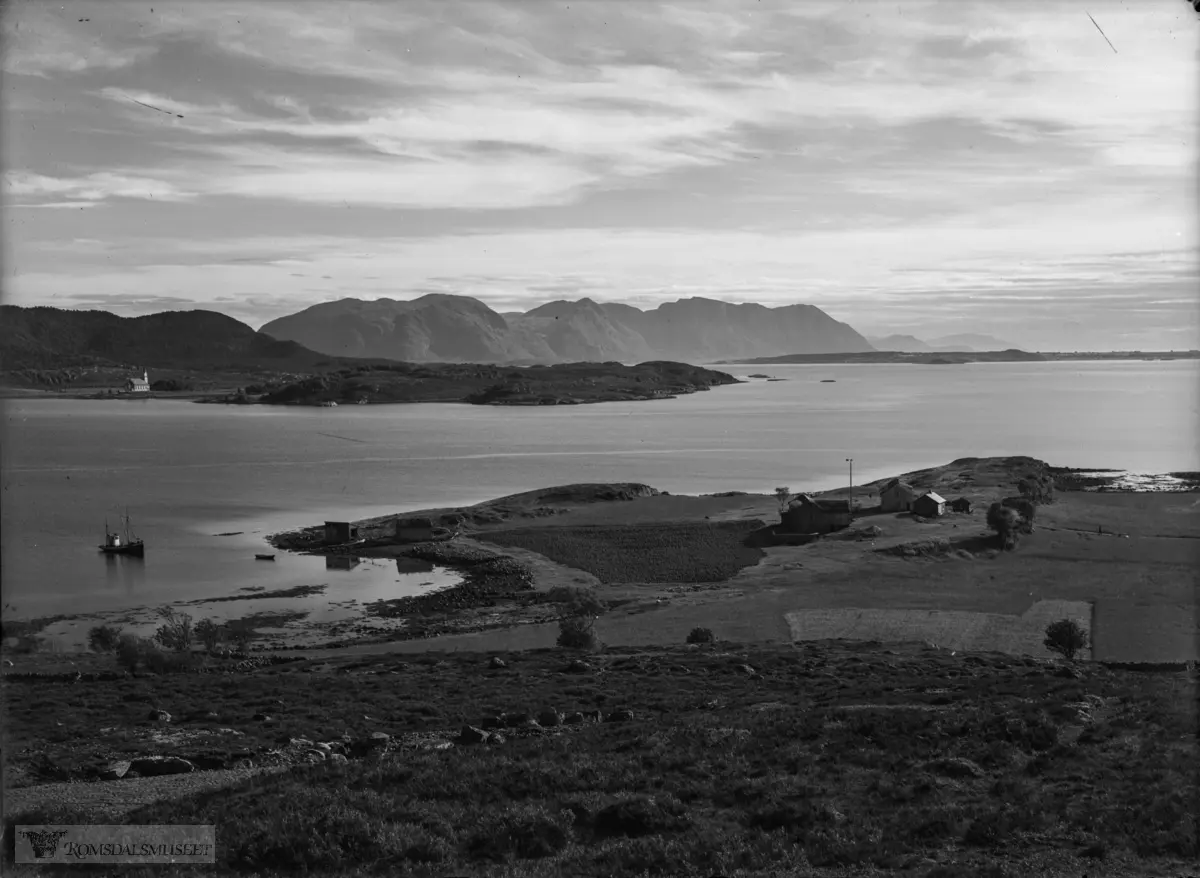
(925, 168)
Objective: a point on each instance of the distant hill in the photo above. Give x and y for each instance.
(54, 338)
(966, 342)
(906, 343)
(459, 329)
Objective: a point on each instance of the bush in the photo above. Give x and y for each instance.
(575, 632)
(208, 633)
(240, 634)
(1026, 509)
(129, 652)
(700, 635)
(1065, 637)
(176, 631)
(104, 638)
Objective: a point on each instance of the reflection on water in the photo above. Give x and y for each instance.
(125, 573)
(340, 562)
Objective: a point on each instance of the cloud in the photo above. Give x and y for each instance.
(41, 41)
(29, 187)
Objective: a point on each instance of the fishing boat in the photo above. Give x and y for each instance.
(122, 544)
(264, 557)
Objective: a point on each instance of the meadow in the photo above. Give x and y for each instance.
(732, 760)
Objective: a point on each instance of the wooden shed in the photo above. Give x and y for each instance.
(896, 496)
(929, 505)
(960, 504)
(805, 515)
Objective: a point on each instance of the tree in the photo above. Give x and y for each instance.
(783, 494)
(176, 631)
(1006, 522)
(1065, 637)
(129, 652)
(579, 608)
(240, 634)
(700, 635)
(104, 638)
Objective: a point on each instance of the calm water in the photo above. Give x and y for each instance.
(188, 472)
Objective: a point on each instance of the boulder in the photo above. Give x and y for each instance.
(573, 718)
(472, 735)
(324, 748)
(496, 663)
(578, 666)
(747, 670)
(492, 722)
(152, 766)
(377, 740)
(261, 718)
(549, 718)
(160, 716)
(314, 755)
(337, 758)
(954, 766)
(623, 715)
(115, 770)
(516, 720)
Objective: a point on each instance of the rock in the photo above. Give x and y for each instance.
(549, 719)
(324, 748)
(492, 722)
(314, 755)
(337, 758)
(623, 715)
(8, 663)
(115, 770)
(954, 767)
(578, 666)
(1068, 672)
(516, 720)
(497, 663)
(261, 718)
(160, 716)
(573, 718)
(377, 740)
(472, 735)
(495, 738)
(152, 766)
(300, 742)
(747, 670)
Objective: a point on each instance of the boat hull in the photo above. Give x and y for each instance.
(131, 549)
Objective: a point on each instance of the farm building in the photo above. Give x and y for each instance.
(896, 496)
(929, 505)
(340, 532)
(962, 504)
(805, 515)
(138, 385)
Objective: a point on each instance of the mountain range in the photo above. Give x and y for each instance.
(447, 328)
(965, 342)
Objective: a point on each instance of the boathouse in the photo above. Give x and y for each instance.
(961, 504)
(896, 496)
(138, 385)
(340, 532)
(929, 505)
(805, 515)
(414, 530)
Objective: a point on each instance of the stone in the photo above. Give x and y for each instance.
(497, 663)
(747, 670)
(549, 719)
(495, 738)
(323, 747)
(261, 718)
(8, 663)
(337, 758)
(492, 722)
(314, 755)
(472, 735)
(377, 740)
(160, 716)
(578, 666)
(516, 720)
(115, 770)
(623, 715)
(300, 742)
(573, 718)
(152, 766)
(954, 767)
(1068, 672)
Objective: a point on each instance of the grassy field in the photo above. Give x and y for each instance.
(739, 761)
(679, 552)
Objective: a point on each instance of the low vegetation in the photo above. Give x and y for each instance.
(1066, 637)
(721, 760)
(683, 552)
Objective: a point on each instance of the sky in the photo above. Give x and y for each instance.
(929, 168)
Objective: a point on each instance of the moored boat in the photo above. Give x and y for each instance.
(264, 557)
(122, 544)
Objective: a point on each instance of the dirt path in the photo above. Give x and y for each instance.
(118, 797)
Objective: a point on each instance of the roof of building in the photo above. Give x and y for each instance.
(824, 504)
(934, 497)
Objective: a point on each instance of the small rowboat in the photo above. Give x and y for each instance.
(264, 557)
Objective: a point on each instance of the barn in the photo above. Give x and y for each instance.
(805, 515)
(340, 532)
(961, 504)
(896, 496)
(929, 505)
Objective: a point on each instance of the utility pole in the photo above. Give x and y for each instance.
(850, 460)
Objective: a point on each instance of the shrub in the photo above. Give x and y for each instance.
(1065, 637)
(1026, 509)
(642, 815)
(700, 635)
(208, 633)
(575, 632)
(176, 631)
(129, 652)
(104, 638)
(240, 633)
